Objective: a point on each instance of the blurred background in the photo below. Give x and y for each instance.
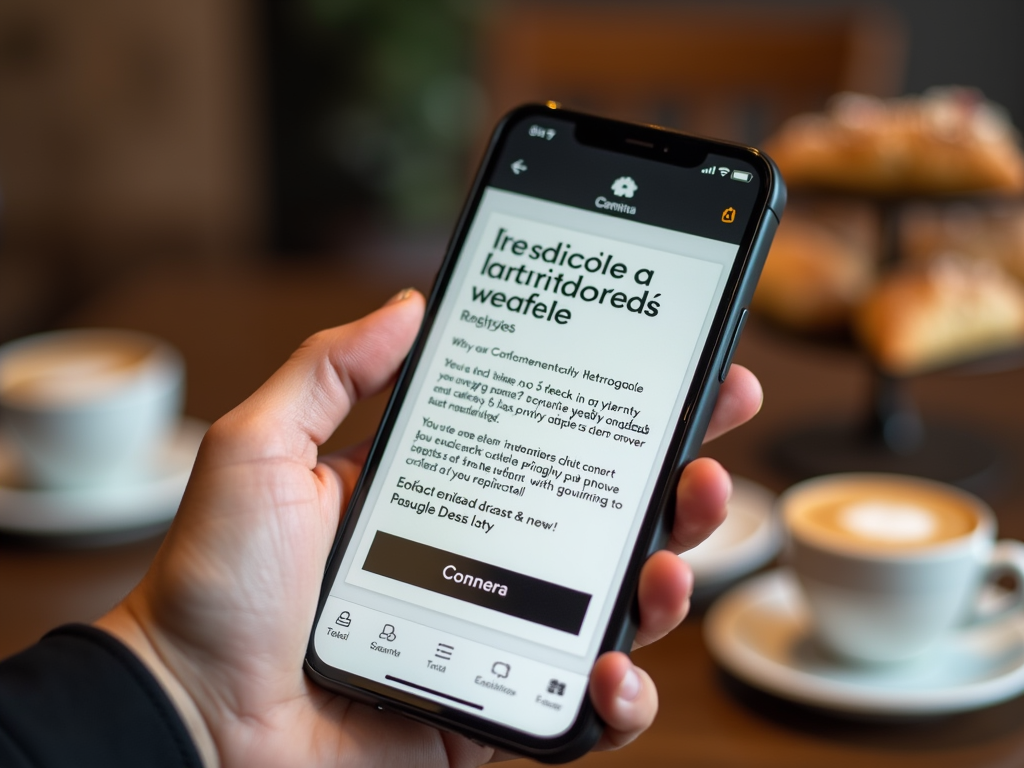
(233, 175)
(206, 141)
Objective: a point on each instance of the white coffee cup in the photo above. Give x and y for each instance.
(890, 564)
(89, 408)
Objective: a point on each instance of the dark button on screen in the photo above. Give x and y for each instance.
(476, 582)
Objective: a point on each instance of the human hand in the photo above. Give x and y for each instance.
(223, 616)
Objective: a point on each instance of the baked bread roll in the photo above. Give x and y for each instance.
(951, 311)
(821, 265)
(993, 232)
(948, 141)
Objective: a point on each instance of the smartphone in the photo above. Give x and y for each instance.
(574, 342)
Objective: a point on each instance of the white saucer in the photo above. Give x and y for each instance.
(759, 632)
(747, 540)
(145, 505)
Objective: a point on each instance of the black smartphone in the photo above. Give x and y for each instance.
(582, 320)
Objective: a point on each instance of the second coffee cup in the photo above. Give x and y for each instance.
(88, 408)
(889, 564)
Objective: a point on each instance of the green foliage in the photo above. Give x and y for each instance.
(401, 105)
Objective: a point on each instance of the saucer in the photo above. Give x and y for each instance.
(749, 537)
(760, 632)
(102, 514)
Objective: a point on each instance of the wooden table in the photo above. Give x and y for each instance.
(234, 329)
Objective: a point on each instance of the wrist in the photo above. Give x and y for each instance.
(121, 624)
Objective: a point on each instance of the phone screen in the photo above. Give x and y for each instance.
(492, 538)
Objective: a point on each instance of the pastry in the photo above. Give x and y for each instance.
(948, 141)
(990, 232)
(951, 311)
(820, 267)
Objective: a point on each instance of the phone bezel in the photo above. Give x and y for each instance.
(654, 143)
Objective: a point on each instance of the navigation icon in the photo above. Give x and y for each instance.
(388, 633)
(344, 619)
(518, 167)
(556, 687)
(444, 651)
(500, 669)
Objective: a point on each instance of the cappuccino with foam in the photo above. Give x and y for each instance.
(72, 369)
(890, 564)
(887, 515)
(89, 407)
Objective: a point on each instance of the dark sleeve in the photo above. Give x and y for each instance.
(81, 698)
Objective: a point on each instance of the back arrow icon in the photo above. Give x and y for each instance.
(518, 167)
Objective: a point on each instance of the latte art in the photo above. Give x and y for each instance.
(888, 522)
(63, 373)
(882, 515)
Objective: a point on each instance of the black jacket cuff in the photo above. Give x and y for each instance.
(80, 698)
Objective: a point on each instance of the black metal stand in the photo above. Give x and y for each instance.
(942, 452)
(894, 437)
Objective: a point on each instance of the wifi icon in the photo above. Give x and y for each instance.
(710, 169)
(723, 171)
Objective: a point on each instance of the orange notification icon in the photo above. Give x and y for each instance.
(729, 215)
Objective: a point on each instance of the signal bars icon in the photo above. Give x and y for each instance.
(721, 170)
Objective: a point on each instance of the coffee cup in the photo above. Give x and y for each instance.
(890, 564)
(88, 408)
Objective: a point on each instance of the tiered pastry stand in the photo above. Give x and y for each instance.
(893, 435)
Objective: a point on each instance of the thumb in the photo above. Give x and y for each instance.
(300, 406)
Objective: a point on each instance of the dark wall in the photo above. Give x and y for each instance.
(960, 42)
(972, 43)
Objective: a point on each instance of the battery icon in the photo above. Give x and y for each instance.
(742, 175)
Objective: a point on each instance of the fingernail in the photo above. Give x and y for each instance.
(630, 686)
(402, 295)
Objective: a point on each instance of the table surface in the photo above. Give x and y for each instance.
(236, 328)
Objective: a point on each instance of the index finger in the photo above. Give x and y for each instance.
(739, 400)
